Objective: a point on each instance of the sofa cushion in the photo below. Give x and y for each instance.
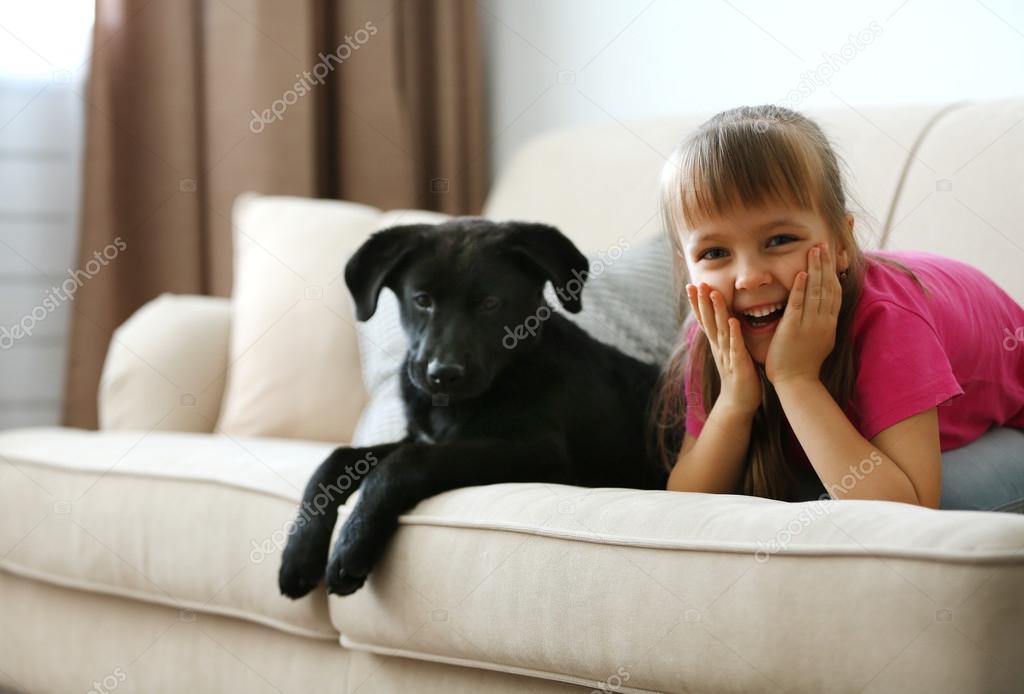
(699, 592)
(587, 586)
(598, 182)
(166, 365)
(628, 300)
(145, 646)
(961, 195)
(191, 521)
(294, 361)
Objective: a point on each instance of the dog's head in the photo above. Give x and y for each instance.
(470, 291)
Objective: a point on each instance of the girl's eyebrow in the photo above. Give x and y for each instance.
(763, 228)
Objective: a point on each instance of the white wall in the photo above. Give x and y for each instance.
(42, 72)
(629, 59)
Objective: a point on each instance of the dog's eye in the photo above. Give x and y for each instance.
(423, 300)
(490, 303)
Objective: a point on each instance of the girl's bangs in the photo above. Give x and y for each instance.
(738, 168)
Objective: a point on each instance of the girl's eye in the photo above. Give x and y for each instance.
(704, 255)
(783, 236)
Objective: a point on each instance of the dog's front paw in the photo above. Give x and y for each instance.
(302, 564)
(344, 574)
(295, 580)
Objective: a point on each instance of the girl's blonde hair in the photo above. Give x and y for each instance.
(742, 158)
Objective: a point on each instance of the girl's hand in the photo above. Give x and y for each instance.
(807, 332)
(741, 386)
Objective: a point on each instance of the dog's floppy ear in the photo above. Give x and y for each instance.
(368, 270)
(557, 258)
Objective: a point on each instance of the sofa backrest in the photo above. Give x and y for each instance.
(948, 178)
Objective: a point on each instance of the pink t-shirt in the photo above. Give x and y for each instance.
(956, 348)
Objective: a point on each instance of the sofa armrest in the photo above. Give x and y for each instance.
(166, 366)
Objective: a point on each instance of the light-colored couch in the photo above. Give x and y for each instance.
(144, 559)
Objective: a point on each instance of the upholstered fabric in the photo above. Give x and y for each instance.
(700, 592)
(963, 192)
(294, 358)
(109, 644)
(187, 520)
(627, 300)
(166, 366)
(65, 639)
(382, 345)
(585, 581)
(599, 182)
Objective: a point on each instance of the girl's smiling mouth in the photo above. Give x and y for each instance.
(762, 318)
(764, 323)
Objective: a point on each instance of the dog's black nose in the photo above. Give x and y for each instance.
(444, 374)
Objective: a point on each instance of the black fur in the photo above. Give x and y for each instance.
(496, 386)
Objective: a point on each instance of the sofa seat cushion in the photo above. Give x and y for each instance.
(671, 591)
(188, 520)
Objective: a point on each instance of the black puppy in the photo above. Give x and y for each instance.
(497, 388)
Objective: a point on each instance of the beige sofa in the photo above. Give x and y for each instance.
(144, 557)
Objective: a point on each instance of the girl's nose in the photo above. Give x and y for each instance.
(752, 276)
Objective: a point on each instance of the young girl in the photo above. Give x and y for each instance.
(810, 365)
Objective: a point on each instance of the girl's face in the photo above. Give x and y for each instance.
(753, 257)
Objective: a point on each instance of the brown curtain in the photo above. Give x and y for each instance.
(191, 102)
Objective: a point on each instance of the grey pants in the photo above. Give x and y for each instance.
(985, 475)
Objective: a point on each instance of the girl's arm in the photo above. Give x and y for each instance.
(902, 463)
(713, 462)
